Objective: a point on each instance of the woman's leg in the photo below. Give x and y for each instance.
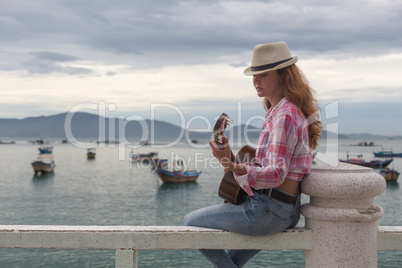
(226, 217)
(229, 258)
(258, 215)
(241, 257)
(232, 218)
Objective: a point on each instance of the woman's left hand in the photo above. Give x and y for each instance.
(223, 155)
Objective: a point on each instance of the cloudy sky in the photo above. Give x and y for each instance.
(169, 59)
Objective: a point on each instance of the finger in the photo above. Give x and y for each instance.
(213, 145)
(225, 143)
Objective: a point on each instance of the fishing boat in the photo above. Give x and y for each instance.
(365, 143)
(91, 153)
(46, 149)
(389, 174)
(142, 157)
(160, 163)
(370, 164)
(178, 175)
(107, 141)
(387, 154)
(44, 164)
(7, 142)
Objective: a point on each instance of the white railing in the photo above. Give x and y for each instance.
(127, 240)
(341, 227)
(389, 238)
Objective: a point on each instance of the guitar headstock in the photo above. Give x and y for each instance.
(221, 124)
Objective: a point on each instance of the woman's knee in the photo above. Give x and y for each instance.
(188, 220)
(185, 221)
(198, 218)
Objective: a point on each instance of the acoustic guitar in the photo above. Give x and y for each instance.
(229, 189)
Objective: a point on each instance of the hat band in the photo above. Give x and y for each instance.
(268, 66)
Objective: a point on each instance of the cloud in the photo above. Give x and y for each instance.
(146, 34)
(192, 53)
(46, 62)
(367, 94)
(52, 56)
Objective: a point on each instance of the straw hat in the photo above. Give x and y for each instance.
(269, 57)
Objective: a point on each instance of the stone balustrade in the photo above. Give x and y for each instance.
(342, 215)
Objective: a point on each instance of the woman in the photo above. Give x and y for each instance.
(290, 133)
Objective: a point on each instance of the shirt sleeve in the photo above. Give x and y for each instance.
(275, 150)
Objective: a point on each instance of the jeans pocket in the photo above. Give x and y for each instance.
(267, 224)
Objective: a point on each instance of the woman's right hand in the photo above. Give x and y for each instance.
(224, 154)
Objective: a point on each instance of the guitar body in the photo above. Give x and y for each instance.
(229, 189)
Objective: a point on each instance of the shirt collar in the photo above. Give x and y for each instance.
(274, 109)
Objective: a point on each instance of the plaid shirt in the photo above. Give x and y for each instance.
(282, 151)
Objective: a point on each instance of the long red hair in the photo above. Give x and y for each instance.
(297, 90)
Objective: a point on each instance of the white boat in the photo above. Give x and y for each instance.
(44, 164)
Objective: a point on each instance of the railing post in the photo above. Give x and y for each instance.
(342, 215)
(126, 258)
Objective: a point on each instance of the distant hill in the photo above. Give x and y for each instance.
(328, 134)
(358, 136)
(86, 126)
(367, 136)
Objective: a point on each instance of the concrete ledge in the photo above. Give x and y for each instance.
(145, 237)
(389, 238)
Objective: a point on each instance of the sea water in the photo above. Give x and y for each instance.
(111, 190)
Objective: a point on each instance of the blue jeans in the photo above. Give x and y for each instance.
(257, 216)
